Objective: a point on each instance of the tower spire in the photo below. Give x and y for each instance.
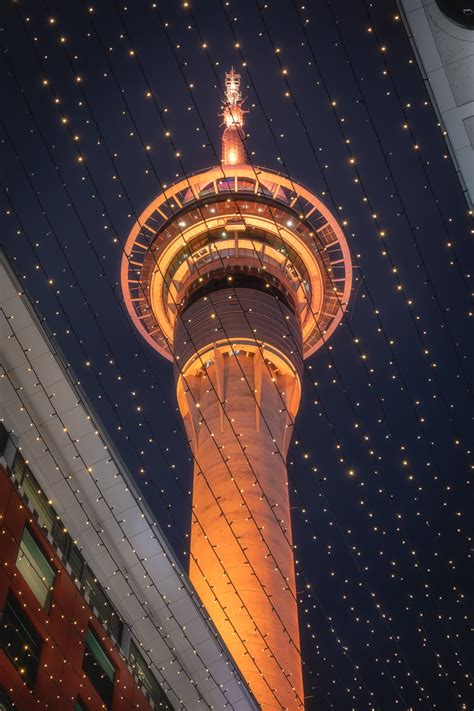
(233, 149)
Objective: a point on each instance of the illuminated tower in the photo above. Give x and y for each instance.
(237, 274)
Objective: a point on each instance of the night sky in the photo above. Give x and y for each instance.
(379, 466)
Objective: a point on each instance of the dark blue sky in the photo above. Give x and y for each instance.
(382, 554)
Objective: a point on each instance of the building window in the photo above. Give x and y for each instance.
(100, 601)
(20, 641)
(70, 553)
(33, 492)
(3, 444)
(76, 562)
(38, 501)
(99, 668)
(145, 677)
(34, 567)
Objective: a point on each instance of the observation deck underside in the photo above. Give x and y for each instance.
(240, 220)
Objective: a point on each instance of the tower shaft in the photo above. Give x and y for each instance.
(238, 401)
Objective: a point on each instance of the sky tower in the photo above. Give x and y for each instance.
(237, 274)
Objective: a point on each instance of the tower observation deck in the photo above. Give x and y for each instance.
(237, 274)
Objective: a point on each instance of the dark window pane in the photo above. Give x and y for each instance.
(19, 468)
(20, 641)
(106, 612)
(114, 623)
(99, 668)
(99, 600)
(76, 562)
(33, 492)
(87, 579)
(60, 536)
(3, 444)
(35, 568)
(146, 678)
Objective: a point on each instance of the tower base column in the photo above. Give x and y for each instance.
(242, 563)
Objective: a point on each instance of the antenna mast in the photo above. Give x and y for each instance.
(233, 149)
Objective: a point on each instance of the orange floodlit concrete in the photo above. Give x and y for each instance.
(237, 274)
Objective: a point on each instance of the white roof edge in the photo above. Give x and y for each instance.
(114, 505)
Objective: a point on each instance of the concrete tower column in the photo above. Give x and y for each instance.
(238, 401)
